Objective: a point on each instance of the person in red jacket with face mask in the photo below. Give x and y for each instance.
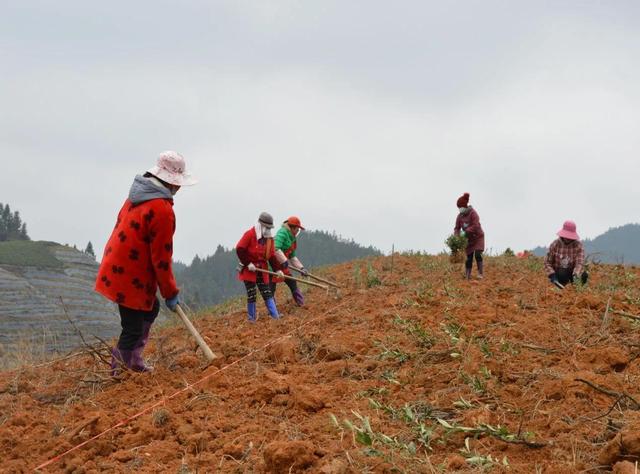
(256, 250)
(138, 257)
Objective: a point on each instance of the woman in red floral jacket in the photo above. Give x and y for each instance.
(256, 250)
(138, 257)
(468, 224)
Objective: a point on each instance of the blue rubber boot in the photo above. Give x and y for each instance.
(251, 312)
(271, 306)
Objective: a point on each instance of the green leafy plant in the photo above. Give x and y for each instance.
(395, 354)
(372, 277)
(481, 460)
(457, 245)
(499, 432)
(414, 329)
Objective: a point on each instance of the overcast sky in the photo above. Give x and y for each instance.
(369, 118)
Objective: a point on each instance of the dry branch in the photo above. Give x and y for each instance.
(627, 315)
(77, 430)
(611, 393)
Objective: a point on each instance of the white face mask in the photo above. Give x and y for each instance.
(462, 209)
(266, 232)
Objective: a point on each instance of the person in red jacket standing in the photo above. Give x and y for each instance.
(468, 224)
(138, 257)
(256, 250)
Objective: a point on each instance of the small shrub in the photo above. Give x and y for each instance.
(508, 252)
(160, 417)
(372, 277)
(457, 245)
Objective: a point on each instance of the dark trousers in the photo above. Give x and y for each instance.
(132, 322)
(293, 286)
(565, 276)
(261, 286)
(469, 263)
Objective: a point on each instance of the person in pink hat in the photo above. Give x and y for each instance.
(564, 262)
(137, 259)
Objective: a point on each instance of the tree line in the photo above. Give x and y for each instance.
(11, 225)
(213, 279)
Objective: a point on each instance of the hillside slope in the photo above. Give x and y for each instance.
(42, 285)
(390, 375)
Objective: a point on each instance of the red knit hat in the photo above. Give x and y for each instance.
(463, 201)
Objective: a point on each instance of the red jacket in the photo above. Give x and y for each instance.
(137, 257)
(259, 252)
(470, 223)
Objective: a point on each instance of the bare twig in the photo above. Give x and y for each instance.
(605, 318)
(89, 347)
(533, 347)
(611, 393)
(618, 400)
(77, 430)
(627, 315)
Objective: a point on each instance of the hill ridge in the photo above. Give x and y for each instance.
(410, 363)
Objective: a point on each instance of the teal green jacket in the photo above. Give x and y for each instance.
(286, 242)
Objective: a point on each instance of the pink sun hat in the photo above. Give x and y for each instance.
(172, 169)
(568, 231)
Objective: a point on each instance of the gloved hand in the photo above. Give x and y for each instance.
(462, 233)
(172, 303)
(280, 273)
(251, 267)
(304, 272)
(465, 225)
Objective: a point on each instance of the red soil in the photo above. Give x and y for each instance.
(499, 358)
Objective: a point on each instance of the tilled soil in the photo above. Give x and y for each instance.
(408, 368)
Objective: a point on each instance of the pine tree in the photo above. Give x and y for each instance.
(89, 250)
(11, 225)
(3, 225)
(23, 232)
(6, 220)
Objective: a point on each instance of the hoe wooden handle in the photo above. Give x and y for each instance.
(208, 353)
(317, 278)
(300, 280)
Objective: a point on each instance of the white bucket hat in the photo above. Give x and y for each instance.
(171, 169)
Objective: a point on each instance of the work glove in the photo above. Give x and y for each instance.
(251, 267)
(304, 272)
(172, 303)
(280, 273)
